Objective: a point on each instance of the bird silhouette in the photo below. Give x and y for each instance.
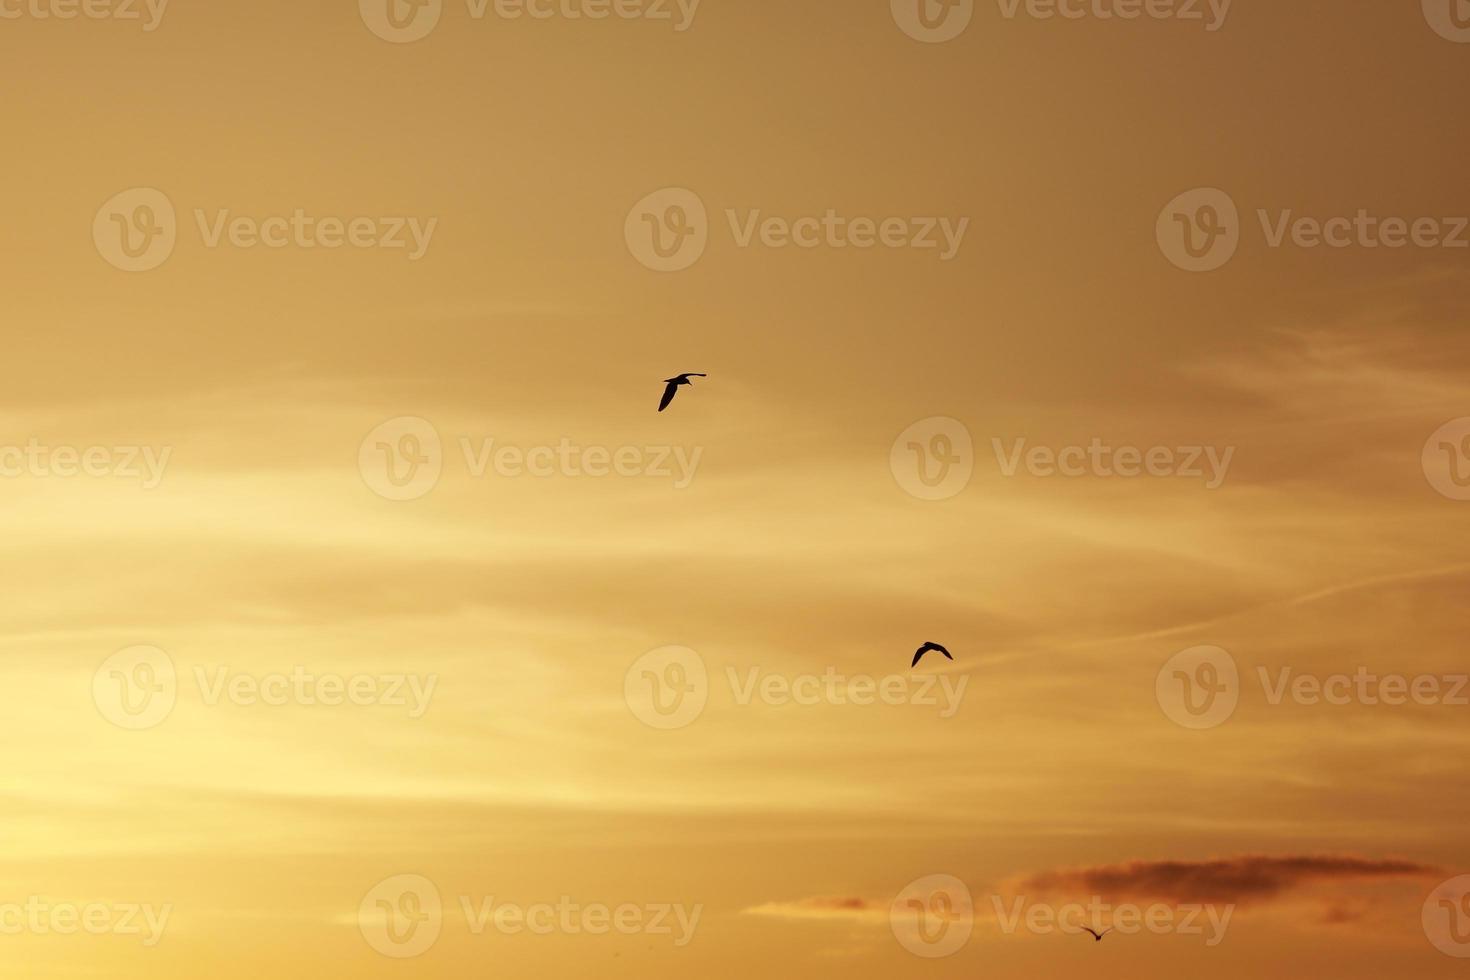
(925, 649)
(673, 388)
(1096, 936)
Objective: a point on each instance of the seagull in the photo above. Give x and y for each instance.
(673, 388)
(1097, 936)
(925, 649)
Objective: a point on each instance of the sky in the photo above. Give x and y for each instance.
(366, 618)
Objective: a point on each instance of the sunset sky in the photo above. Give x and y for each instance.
(500, 612)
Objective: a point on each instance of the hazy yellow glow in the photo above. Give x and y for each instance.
(793, 549)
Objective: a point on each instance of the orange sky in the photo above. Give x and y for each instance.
(942, 293)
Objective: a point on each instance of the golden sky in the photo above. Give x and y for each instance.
(347, 552)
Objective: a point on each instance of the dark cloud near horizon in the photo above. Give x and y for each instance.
(1234, 880)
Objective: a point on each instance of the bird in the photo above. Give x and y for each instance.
(1097, 936)
(925, 649)
(673, 388)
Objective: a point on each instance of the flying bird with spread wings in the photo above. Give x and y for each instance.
(925, 649)
(1096, 936)
(673, 388)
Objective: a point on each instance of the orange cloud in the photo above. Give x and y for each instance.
(1237, 880)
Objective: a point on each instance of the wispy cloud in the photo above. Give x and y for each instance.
(826, 907)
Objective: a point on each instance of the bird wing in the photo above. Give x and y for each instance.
(1091, 933)
(919, 656)
(669, 393)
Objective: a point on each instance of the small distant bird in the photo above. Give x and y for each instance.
(1096, 936)
(925, 649)
(673, 388)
